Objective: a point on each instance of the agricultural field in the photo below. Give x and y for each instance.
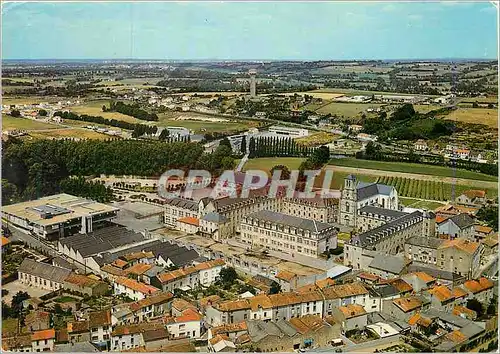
(347, 110)
(266, 163)
(425, 108)
(201, 124)
(69, 133)
(316, 139)
(428, 190)
(29, 100)
(315, 94)
(339, 177)
(352, 92)
(94, 108)
(488, 99)
(412, 168)
(486, 116)
(11, 123)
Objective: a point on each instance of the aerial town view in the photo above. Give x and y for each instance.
(249, 177)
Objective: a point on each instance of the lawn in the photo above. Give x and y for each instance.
(266, 163)
(94, 108)
(70, 133)
(412, 168)
(11, 123)
(425, 108)
(487, 116)
(346, 110)
(420, 204)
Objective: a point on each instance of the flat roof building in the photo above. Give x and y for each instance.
(58, 215)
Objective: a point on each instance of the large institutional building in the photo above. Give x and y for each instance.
(356, 195)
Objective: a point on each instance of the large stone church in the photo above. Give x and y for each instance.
(356, 195)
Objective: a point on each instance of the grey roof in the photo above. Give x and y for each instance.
(289, 220)
(215, 217)
(183, 203)
(286, 327)
(429, 242)
(61, 262)
(154, 271)
(462, 220)
(388, 263)
(447, 317)
(367, 190)
(384, 291)
(434, 272)
(183, 257)
(399, 325)
(388, 213)
(44, 270)
(371, 237)
(101, 240)
(471, 330)
(78, 347)
(109, 257)
(258, 330)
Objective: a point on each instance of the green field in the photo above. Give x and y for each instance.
(70, 133)
(11, 123)
(412, 168)
(199, 125)
(266, 163)
(94, 108)
(346, 110)
(420, 204)
(429, 190)
(486, 116)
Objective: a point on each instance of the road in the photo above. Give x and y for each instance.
(33, 242)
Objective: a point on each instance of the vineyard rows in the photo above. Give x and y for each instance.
(414, 188)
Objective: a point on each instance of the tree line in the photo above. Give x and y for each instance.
(87, 189)
(274, 146)
(132, 110)
(38, 167)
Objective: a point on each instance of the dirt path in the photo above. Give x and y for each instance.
(380, 173)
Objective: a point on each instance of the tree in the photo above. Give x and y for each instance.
(473, 304)
(15, 113)
(17, 303)
(243, 147)
(227, 277)
(42, 113)
(9, 192)
(6, 310)
(285, 172)
(225, 142)
(489, 215)
(164, 134)
(275, 288)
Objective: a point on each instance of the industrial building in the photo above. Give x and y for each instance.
(58, 215)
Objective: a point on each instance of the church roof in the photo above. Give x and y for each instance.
(367, 190)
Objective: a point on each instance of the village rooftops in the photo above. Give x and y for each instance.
(428, 242)
(215, 218)
(312, 226)
(229, 328)
(100, 318)
(83, 280)
(426, 278)
(44, 270)
(408, 303)
(138, 268)
(285, 275)
(307, 323)
(475, 193)
(56, 209)
(122, 330)
(188, 315)
(477, 286)
(462, 245)
(44, 335)
(377, 234)
(156, 299)
(181, 305)
(352, 310)
(136, 286)
(442, 293)
(483, 229)
(173, 275)
(389, 263)
(461, 220)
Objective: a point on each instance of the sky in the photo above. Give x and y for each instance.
(249, 30)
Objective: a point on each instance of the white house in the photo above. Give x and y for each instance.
(132, 288)
(186, 325)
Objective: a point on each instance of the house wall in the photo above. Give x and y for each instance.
(127, 341)
(191, 329)
(38, 282)
(43, 345)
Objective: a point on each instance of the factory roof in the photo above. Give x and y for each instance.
(56, 209)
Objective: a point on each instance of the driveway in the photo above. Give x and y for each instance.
(14, 287)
